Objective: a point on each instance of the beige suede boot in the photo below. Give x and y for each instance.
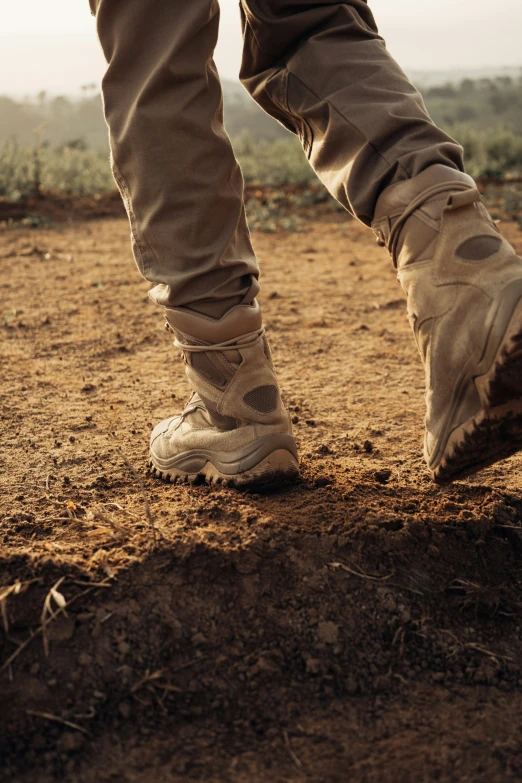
(234, 429)
(464, 286)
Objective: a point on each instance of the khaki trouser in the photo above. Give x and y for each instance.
(318, 66)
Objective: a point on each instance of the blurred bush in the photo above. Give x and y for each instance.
(74, 170)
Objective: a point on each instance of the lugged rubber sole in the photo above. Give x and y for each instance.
(278, 469)
(495, 433)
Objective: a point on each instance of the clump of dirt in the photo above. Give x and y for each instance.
(362, 624)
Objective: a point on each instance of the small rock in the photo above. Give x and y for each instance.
(382, 476)
(368, 446)
(124, 709)
(390, 604)
(62, 629)
(328, 632)
(313, 665)
(85, 659)
(70, 741)
(268, 663)
(324, 449)
(351, 685)
(322, 481)
(199, 638)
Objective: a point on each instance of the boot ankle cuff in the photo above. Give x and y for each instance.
(240, 320)
(397, 197)
(395, 201)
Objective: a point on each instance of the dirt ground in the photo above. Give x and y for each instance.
(363, 625)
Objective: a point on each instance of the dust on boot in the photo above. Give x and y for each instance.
(464, 287)
(234, 429)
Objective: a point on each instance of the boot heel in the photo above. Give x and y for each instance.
(502, 383)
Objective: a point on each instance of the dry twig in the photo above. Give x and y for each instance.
(49, 716)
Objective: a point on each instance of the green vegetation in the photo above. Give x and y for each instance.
(57, 144)
(25, 171)
(483, 104)
(78, 172)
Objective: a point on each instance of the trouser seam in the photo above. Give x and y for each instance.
(306, 141)
(138, 239)
(326, 100)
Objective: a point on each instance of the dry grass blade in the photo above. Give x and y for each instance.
(344, 567)
(49, 613)
(189, 663)
(297, 761)
(42, 628)
(5, 592)
(148, 677)
(78, 582)
(489, 653)
(123, 510)
(56, 719)
(115, 526)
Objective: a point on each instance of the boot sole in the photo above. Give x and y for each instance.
(495, 433)
(269, 462)
(278, 469)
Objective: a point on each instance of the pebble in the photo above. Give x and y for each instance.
(328, 632)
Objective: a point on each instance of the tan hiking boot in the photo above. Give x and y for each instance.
(234, 429)
(464, 286)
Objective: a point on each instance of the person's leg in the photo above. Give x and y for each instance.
(323, 71)
(183, 191)
(172, 159)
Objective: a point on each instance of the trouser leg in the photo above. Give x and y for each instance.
(321, 68)
(172, 159)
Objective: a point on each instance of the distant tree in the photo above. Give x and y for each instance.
(75, 144)
(500, 101)
(467, 86)
(466, 113)
(445, 91)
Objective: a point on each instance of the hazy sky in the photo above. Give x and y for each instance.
(51, 44)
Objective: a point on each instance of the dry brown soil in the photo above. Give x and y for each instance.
(363, 625)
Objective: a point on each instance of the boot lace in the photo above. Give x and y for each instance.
(229, 345)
